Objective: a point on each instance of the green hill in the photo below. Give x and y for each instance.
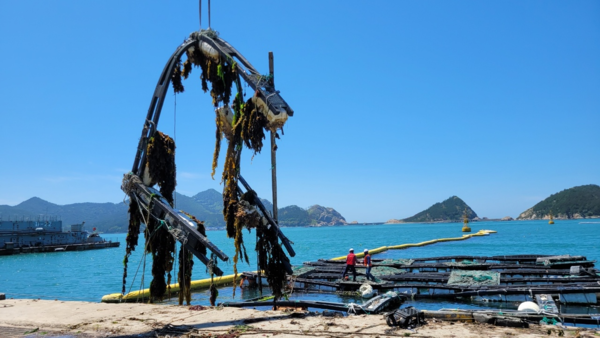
(450, 210)
(577, 202)
(106, 217)
(206, 206)
(293, 215)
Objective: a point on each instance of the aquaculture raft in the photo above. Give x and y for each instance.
(516, 278)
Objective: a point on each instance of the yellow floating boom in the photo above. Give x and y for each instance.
(145, 294)
(412, 245)
(228, 280)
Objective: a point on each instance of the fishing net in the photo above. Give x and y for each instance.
(378, 272)
(399, 261)
(474, 277)
(381, 271)
(303, 270)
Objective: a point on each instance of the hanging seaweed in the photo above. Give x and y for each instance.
(253, 126)
(231, 192)
(160, 165)
(219, 72)
(160, 168)
(162, 246)
(133, 233)
(215, 161)
(186, 263)
(212, 264)
(271, 259)
(187, 68)
(176, 78)
(247, 214)
(184, 276)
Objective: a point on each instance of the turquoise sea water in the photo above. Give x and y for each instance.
(89, 275)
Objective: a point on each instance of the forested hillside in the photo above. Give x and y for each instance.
(112, 217)
(451, 209)
(577, 202)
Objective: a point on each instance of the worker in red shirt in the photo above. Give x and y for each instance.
(368, 264)
(350, 264)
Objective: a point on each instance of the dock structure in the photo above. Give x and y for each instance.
(47, 235)
(58, 248)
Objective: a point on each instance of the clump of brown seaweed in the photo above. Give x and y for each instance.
(160, 166)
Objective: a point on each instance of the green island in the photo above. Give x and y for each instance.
(577, 202)
(451, 210)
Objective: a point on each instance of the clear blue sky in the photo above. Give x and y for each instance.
(398, 104)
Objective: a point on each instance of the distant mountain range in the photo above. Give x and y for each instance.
(577, 202)
(450, 210)
(206, 206)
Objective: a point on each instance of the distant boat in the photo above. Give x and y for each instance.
(551, 218)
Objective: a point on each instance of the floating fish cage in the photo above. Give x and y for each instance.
(518, 278)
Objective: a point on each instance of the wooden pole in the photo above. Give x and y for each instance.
(273, 147)
(273, 157)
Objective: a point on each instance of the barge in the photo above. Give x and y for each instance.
(47, 235)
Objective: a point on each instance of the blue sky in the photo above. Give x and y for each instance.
(398, 104)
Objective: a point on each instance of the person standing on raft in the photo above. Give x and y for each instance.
(350, 264)
(368, 264)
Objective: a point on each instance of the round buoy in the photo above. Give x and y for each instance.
(529, 307)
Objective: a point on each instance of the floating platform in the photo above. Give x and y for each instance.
(59, 248)
(566, 279)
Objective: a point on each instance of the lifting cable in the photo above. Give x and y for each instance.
(200, 13)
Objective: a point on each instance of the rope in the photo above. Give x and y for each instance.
(352, 308)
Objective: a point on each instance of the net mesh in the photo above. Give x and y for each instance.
(399, 261)
(302, 270)
(463, 263)
(474, 277)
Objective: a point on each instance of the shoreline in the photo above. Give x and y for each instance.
(400, 223)
(48, 318)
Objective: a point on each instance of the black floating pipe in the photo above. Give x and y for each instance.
(274, 226)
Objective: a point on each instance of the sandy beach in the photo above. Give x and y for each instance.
(27, 317)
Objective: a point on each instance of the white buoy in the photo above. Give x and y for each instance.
(529, 307)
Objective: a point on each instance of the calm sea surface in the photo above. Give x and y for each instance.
(89, 275)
